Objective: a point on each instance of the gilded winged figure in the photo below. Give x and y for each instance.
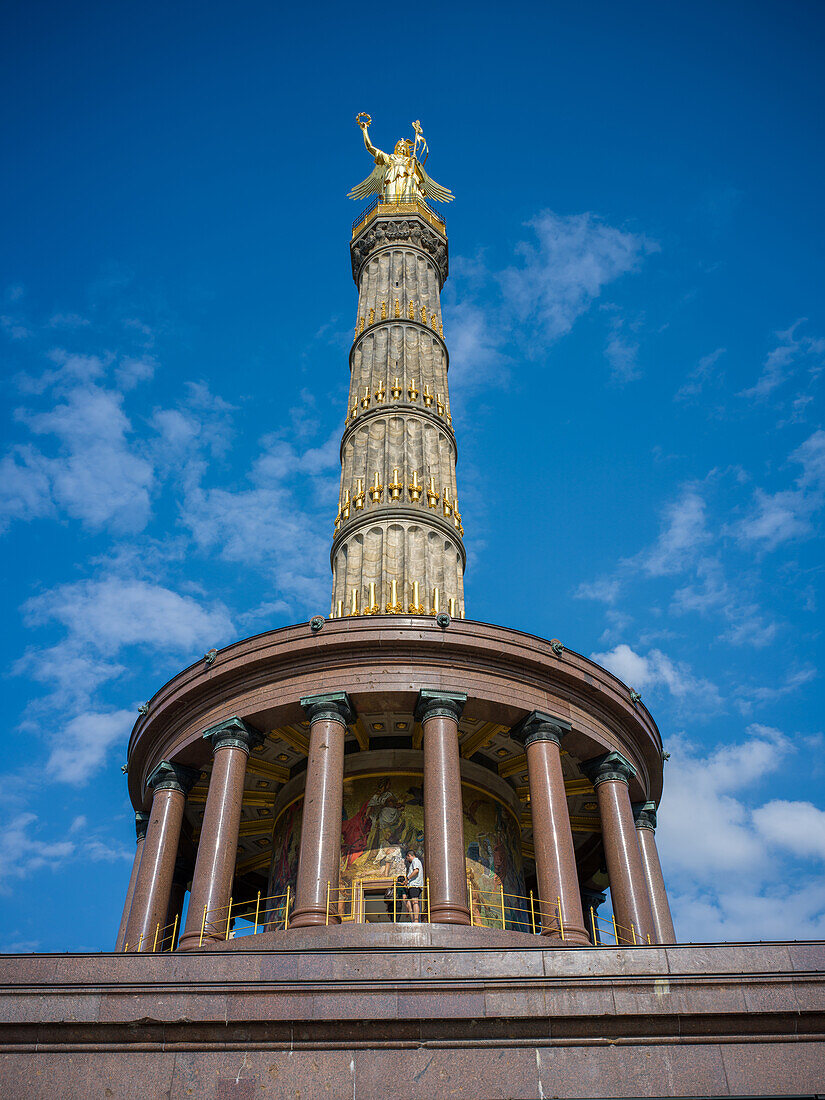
(398, 175)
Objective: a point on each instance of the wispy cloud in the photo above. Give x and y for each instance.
(698, 378)
(791, 354)
(104, 620)
(557, 275)
(655, 671)
(779, 517)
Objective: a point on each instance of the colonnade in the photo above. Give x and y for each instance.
(636, 883)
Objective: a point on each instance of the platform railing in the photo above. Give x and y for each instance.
(403, 204)
(495, 909)
(622, 936)
(163, 939)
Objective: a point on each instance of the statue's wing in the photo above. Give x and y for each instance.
(372, 185)
(431, 189)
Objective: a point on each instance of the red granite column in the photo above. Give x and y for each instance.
(141, 821)
(170, 784)
(445, 863)
(218, 843)
(558, 879)
(319, 861)
(645, 816)
(628, 890)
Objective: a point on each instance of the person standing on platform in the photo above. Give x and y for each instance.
(415, 883)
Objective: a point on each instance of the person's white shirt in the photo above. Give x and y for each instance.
(415, 873)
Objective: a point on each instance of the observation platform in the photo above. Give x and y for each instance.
(383, 207)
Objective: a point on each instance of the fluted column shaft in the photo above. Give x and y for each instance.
(218, 844)
(141, 821)
(445, 863)
(610, 775)
(558, 880)
(319, 860)
(645, 816)
(170, 784)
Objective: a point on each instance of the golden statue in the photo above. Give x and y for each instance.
(398, 176)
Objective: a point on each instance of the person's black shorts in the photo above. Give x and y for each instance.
(413, 892)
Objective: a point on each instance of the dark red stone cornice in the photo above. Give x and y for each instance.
(383, 661)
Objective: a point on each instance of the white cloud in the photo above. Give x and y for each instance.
(114, 612)
(25, 487)
(726, 861)
(784, 360)
(656, 670)
(98, 477)
(780, 517)
(760, 694)
(684, 531)
(622, 353)
(604, 589)
(558, 275)
(704, 828)
(747, 914)
(22, 851)
(567, 267)
(711, 592)
(102, 618)
(798, 827)
(701, 374)
(476, 356)
(83, 743)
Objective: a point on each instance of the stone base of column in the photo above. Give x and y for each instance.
(191, 941)
(311, 916)
(449, 914)
(573, 937)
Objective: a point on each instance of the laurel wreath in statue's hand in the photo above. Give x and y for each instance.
(363, 119)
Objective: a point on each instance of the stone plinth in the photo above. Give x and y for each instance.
(425, 1009)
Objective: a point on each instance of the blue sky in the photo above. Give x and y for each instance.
(637, 335)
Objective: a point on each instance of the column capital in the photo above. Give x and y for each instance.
(233, 733)
(439, 704)
(612, 765)
(173, 777)
(593, 898)
(141, 825)
(644, 815)
(335, 706)
(538, 726)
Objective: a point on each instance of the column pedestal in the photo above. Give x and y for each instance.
(445, 864)
(218, 843)
(141, 821)
(170, 784)
(552, 836)
(610, 775)
(645, 817)
(319, 861)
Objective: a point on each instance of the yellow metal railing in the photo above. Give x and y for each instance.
(163, 939)
(495, 909)
(622, 937)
